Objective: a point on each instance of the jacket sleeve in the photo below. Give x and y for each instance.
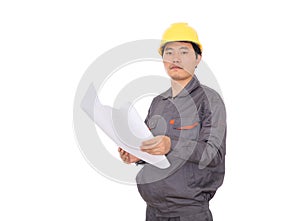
(210, 146)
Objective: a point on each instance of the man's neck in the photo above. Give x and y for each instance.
(177, 86)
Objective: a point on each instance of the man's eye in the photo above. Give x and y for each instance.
(184, 52)
(168, 53)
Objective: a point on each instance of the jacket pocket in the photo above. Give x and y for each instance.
(186, 127)
(157, 125)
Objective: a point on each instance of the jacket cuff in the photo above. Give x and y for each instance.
(140, 162)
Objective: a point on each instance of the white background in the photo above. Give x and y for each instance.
(251, 46)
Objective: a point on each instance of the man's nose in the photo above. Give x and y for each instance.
(176, 58)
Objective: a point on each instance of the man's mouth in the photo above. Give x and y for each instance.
(174, 67)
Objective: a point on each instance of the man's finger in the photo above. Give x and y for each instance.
(147, 150)
(144, 148)
(153, 152)
(150, 142)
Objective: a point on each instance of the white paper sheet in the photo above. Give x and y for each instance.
(124, 126)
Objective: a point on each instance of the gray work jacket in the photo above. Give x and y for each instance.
(195, 120)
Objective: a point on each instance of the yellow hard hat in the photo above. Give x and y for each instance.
(179, 32)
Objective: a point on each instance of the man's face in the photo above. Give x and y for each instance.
(180, 60)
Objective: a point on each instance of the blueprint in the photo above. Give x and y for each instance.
(124, 126)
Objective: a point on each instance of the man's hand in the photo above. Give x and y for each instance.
(127, 157)
(159, 145)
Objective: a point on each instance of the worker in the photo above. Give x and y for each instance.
(188, 122)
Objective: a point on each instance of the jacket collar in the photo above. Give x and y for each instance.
(192, 85)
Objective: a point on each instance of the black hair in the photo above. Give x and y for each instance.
(194, 45)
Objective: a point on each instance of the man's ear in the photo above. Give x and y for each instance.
(198, 60)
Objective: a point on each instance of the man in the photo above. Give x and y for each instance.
(188, 122)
